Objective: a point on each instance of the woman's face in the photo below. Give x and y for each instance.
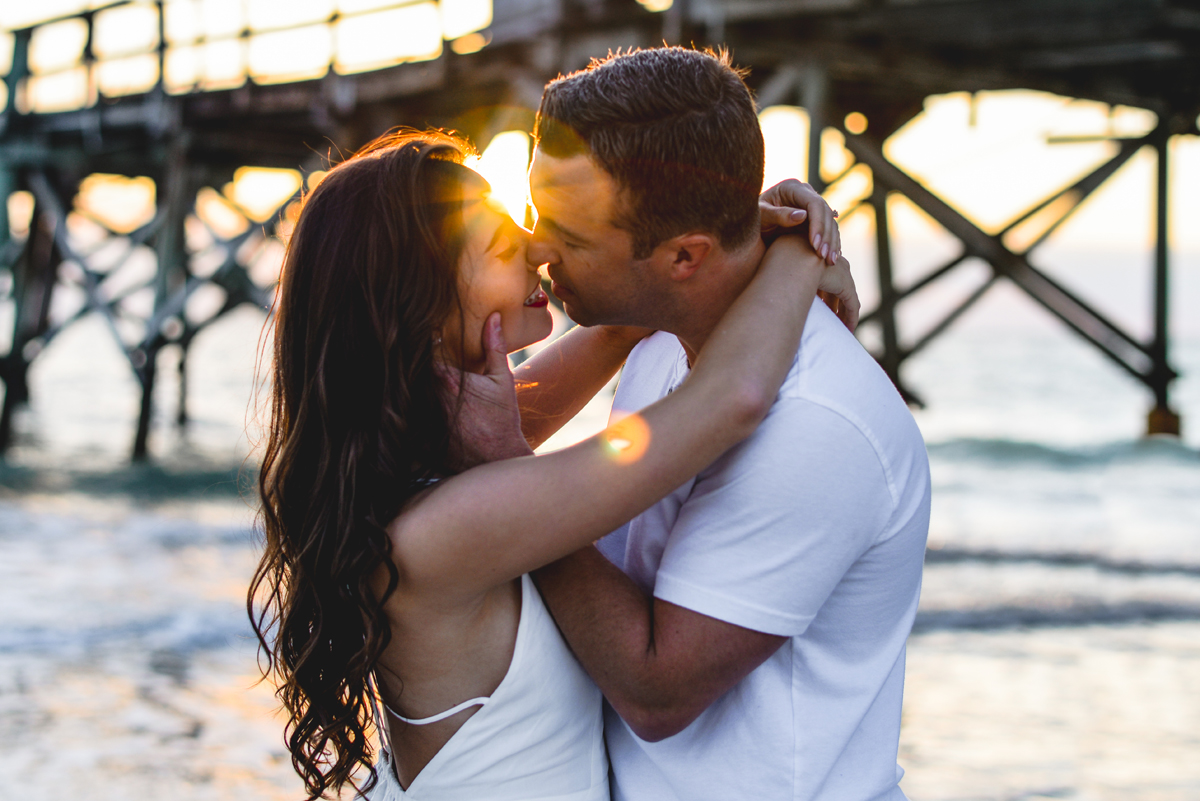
(494, 277)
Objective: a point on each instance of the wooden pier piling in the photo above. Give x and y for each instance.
(876, 59)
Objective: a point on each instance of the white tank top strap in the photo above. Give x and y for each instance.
(538, 737)
(454, 710)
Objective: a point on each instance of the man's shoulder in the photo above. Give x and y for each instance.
(834, 371)
(837, 394)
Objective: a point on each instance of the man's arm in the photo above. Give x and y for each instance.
(659, 665)
(766, 534)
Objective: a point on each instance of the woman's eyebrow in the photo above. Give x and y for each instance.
(505, 222)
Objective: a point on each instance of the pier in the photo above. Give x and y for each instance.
(861, 67)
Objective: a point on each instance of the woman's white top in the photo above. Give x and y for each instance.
(538, 737)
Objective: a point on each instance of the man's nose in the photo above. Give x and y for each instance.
(539, 252)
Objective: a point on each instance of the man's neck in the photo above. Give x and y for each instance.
(722, 285)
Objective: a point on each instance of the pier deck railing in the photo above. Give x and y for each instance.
(190, 124)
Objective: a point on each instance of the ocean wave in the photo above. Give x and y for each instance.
(946, 556)
(1065, 615)
(182, 632)
(137, 482)
(1012, 452)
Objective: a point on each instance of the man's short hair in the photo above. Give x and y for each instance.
(676, 129)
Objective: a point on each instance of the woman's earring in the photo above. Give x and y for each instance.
(437, 340)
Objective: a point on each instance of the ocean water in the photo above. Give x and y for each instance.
(1055, 654)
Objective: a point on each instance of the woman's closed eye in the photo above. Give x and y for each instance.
(507, 239)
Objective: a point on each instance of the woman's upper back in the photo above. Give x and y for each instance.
(538, 736)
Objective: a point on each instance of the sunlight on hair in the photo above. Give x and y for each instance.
(627, 439)
(505, 165)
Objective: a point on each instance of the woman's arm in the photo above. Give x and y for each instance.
(560, 379)
(497, 521)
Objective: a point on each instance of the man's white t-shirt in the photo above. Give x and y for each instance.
(814, 528)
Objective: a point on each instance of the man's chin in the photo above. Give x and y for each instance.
(578, 315)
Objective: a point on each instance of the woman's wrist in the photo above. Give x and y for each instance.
(793, 255)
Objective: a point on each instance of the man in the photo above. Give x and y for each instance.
(750, 638)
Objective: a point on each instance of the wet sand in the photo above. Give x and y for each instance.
(127, 670)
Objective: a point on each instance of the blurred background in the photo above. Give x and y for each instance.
(1019, 185)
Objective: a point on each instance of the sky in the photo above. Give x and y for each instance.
(990, 165)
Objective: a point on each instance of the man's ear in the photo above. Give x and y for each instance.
(685, 254)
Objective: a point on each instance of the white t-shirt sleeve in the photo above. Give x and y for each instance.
(773, 525)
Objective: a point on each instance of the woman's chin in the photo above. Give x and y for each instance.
(532, 341)
(518, 348)
(533, 337)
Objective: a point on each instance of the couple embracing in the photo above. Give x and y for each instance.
(427, 578)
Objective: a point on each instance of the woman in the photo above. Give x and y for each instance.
(397, 552)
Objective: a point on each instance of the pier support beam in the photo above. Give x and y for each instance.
(1146, 362)
(890, 360)
(813, 91)
(892, 357)
(34, 276)
(175, 200)
(1162, 419)
(181, 414)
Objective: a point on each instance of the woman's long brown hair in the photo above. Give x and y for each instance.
(356, 422)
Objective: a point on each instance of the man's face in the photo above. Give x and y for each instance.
(589, 259)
